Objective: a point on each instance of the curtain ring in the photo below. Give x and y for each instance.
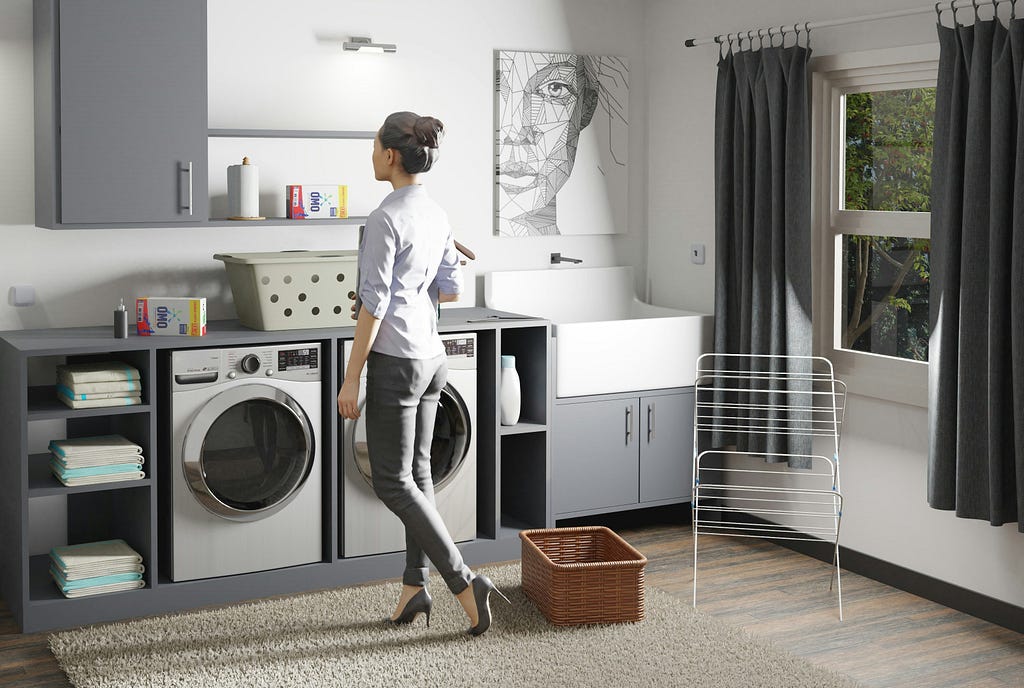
(938, 12)
(952, 6)
(977, 15)
(796, 30)
(760, 40)
(782, 35)
(995, 9)
(807, 31)
(750, 39)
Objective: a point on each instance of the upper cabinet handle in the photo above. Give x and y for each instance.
(189, 207)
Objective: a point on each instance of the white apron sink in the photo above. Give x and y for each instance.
(606, 339)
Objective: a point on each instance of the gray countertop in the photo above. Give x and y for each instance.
(99, 338)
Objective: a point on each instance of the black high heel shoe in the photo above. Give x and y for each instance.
(482, 589)
(421, 602)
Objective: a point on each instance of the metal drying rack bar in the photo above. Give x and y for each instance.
(752, 411)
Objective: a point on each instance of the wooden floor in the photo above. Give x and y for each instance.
(888, 637)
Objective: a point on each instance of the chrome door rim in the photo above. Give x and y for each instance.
(195, 437)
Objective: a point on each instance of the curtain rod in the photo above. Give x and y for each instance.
(797, 28)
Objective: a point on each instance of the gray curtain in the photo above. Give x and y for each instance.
(976, 351)
(763, 216)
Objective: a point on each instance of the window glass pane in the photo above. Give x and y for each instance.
(885, 296)
(888, 150)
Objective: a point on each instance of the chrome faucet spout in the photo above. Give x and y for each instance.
(557, 258)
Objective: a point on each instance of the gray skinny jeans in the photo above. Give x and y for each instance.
(401, 403)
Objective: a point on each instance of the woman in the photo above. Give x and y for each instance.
(407, 265)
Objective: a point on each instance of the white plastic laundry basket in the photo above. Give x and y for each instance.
(291, 290)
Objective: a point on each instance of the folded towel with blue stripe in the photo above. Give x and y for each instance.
(96, 445)
(118, 386)
(64, 472)
(73, 394)
(97, 403)
(97, 371)
(93, 568)
(66, 585)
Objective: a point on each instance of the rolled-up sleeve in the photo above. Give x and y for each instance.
(376, 264)
(449, 275)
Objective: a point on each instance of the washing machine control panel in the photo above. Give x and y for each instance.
(460, 346)
(298, 359)
(198, 368)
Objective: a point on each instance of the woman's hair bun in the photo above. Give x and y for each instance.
(428, 131)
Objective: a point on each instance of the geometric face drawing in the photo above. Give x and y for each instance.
(561, 144)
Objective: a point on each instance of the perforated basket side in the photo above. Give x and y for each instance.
(245, 292)
(296, 295)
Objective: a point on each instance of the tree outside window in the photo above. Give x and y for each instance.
(887, 167)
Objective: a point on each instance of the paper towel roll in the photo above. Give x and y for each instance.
(243, 191)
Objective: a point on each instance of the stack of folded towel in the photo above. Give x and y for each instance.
(103, 459)
(107, 383)
(96, 567)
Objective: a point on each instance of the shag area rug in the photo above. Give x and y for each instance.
(338, 638)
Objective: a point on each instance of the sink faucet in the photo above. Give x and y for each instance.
(557, 258)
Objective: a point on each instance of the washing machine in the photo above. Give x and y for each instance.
(246, 477)
(369, 526)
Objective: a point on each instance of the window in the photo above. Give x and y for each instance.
(873, 118)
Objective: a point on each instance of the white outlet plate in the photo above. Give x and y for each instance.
(21, 295)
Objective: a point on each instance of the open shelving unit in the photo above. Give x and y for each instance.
(513, 468)
(289, 134)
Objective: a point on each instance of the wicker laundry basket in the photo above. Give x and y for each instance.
(583, 575)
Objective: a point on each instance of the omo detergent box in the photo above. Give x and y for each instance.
(165, 315)
(316, 201)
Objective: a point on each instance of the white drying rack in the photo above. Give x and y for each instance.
(750, 406)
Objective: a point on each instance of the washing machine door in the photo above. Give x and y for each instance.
(448, 448)
(247, 452)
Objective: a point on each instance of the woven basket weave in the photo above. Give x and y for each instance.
(583, 575)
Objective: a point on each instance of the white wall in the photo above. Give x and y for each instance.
(275, 65)
(885, 445)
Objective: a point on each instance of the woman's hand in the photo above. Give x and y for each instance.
(348, 400)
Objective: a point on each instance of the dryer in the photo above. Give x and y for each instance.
(369, 526)
(246, 480)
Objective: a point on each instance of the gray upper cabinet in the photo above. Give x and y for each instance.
(121, 112)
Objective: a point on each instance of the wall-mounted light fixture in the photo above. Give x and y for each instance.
(365, 44)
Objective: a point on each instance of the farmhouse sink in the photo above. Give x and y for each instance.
(606, 339)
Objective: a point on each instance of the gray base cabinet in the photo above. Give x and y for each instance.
(617, 452)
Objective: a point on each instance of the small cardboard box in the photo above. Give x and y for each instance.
(160, 315)
(316, 201)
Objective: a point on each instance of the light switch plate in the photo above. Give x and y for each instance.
(697, 254)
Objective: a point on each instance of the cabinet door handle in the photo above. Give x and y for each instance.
(650, 422)
(189, 170)
(629, 423)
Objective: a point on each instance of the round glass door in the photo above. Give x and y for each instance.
(448, 448)
(248, 452)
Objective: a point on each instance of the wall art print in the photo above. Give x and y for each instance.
(561, 143)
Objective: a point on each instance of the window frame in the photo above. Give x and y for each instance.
(832, 77)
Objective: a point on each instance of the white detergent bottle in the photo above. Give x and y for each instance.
(511, 398)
